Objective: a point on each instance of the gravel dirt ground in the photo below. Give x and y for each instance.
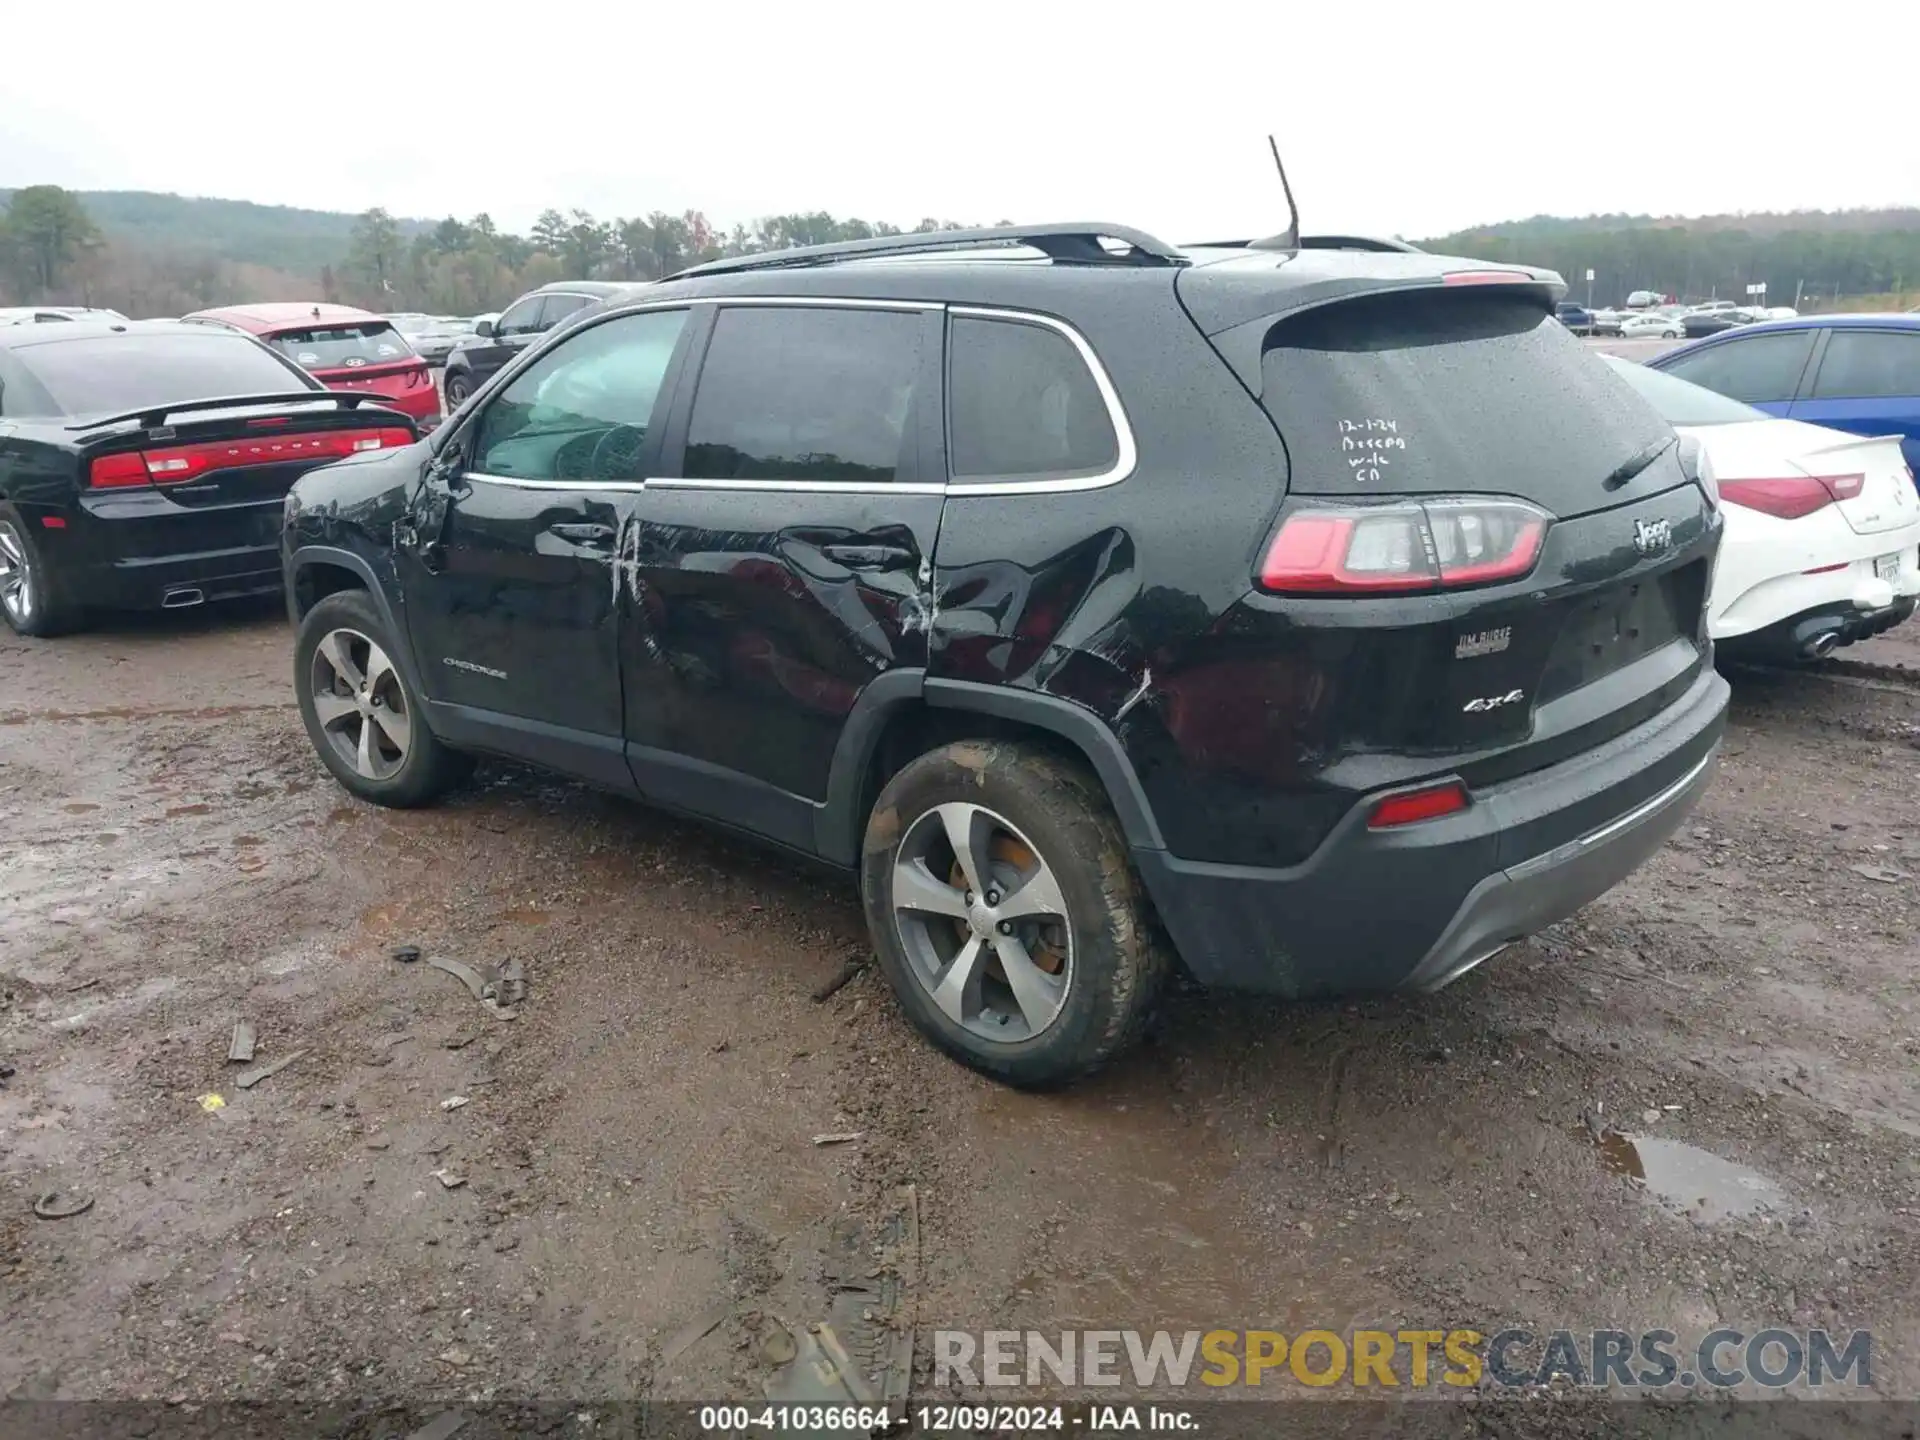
(630, 1193)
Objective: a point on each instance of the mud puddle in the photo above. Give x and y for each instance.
(1689, 1181)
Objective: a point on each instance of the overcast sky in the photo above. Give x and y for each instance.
(1414, 119)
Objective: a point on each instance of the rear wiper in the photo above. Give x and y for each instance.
(1627, 469)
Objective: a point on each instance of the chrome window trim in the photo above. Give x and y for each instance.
(795, 487)
(518, 482)
(1125, 460)
(1127, 453)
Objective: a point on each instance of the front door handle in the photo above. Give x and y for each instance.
(869, 557)
(600, 537)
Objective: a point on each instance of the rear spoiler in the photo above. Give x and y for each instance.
(1235, 308)
(154, 417)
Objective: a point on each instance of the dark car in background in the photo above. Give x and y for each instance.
(1859, 373)
(911, 573)
(343, 347)
(1576, 318)
(1699, 323)
(147, 465)
(477, 360)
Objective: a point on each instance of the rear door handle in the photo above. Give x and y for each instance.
(600, 537)
(868, 557)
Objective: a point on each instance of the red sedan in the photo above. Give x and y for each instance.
(341, 347)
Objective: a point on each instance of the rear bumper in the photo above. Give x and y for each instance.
(140, 551)
(1415, 907)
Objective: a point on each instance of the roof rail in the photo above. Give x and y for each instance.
(1317, 242)
(1076, 242)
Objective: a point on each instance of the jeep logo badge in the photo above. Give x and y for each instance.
(1650, 537)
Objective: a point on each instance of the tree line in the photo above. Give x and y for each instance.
(1816, 261)
(52, 251)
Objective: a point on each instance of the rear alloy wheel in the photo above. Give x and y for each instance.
(29, 596)
(359, 711)
(458, 388)
(1006, 915)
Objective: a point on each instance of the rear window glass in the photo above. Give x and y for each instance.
(332, 346)
(104, 374)
(1681, 402)
(1449, 391)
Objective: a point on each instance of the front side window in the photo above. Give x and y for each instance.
(1753, 368)
(1869, 365)
(521, 318)
(806, 394)
(583, 410)
(1023, 404)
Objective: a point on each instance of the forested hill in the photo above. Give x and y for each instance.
(280, 237)
(151, 253)
(1814, 254)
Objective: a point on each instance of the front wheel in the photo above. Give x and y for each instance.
(1006, 915)
(360, 713)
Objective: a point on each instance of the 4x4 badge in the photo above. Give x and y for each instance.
(1650, 537)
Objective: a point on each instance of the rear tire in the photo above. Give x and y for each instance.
(1051, 966)
(363, 717)
(33, 601)
(458, 388)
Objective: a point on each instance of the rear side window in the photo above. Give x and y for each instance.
(1681, 402)
(1869, 365)
(806, 394)
(1754, 368)
(1022, 404)
(104, 374)
(330, 347)
(1464, 391)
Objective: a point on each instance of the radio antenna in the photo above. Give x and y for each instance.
(1289, 239)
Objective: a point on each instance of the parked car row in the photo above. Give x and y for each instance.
(893, 558)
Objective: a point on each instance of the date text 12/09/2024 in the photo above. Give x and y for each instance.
(948, 1419)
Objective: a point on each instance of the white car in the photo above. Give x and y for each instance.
(1822, 545)
(1650, 326)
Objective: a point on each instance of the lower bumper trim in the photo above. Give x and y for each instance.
(1525, 898)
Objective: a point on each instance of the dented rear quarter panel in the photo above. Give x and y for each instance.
(1106, 598)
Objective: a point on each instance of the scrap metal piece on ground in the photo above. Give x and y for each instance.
(406, 955)
(247, 1079)
(862, 1353)
(442, 1427)
(462, 972)
(240, 1048)
(839, 1137)
(61, 1205)
(453, 1102)
(497, 988)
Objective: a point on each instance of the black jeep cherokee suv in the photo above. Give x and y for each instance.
(1330, 611)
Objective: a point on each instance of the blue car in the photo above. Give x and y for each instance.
(1859, 373)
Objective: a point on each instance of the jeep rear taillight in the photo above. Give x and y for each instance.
(1441, 544)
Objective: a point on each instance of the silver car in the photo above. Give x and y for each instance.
(433, 336)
